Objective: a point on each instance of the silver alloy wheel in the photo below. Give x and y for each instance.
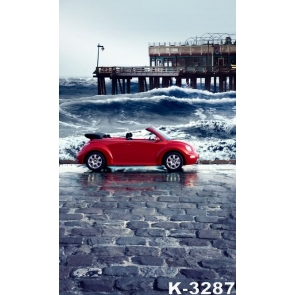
(95, 161)
(173, 161)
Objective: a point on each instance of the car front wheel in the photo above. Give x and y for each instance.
(173, 161)
(95, 161)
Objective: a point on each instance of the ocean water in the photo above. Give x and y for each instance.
(205, 119)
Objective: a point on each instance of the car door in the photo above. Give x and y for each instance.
(144, 151)
(120, 151)
(127, 152)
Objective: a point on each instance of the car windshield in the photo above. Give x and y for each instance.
(162, 134)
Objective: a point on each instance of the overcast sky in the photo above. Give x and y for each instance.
(125, 27)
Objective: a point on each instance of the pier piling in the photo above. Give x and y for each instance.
(224, 78)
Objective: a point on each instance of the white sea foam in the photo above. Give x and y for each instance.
(200, 114)
(72, 168)
(153, 95)
(69, 125)
(154, 99)
(204, 119)
(129, 122)
(69, 146)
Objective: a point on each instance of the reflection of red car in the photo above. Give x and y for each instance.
(142, 181)
(155, 150)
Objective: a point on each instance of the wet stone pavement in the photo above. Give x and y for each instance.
(146, 231)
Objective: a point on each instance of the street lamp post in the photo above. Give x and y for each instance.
(100, 83)
(102, 48)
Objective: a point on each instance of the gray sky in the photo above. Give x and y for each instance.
(125, 27)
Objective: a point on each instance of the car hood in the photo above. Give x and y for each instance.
(179, 141)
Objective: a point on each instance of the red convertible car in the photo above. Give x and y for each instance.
(157, 149)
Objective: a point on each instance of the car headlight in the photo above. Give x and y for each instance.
(188, 148)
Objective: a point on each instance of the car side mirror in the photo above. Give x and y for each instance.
(157, 139)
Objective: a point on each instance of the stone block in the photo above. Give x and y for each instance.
(209, 234)
(182, 218)
(199, 274)
(137, 224)
(166, 225)
(70, 216)
(80, 231)
(181, 233)
(142, 251)
(150, 232)
(147, 260)
(80, 260)
(120, 271)
(135, 283)
(103, 284)
(71, 240)
(131, 241)
(218, 263)
(66, 285)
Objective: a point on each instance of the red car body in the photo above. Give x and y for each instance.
(102, 150)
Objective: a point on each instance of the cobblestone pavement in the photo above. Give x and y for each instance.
(142, 232)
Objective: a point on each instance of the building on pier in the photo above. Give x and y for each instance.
(203, 63)
(208, 50)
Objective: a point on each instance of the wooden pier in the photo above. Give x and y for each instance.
(207, 63)
(162, 77)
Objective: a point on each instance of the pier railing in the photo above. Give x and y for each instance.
(162, 70)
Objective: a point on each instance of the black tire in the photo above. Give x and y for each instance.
(173, 161)
(95, 161)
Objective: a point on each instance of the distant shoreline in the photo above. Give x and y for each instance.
(204, 162)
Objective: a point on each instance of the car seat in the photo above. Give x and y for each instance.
(128, 135)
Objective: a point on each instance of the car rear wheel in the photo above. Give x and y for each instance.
(95, 161)
(173, 161)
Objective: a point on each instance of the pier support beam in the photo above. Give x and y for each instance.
(207, 82)
(120, 85)
(128, 85)
(101, 87)
(114, 85)
(98, 86)
(221, 83)
(194, 82)
(178, 82)
(141, 84)
(157, 82)
(145, 84)
(165, 82)
(123, 84)
(151, 82)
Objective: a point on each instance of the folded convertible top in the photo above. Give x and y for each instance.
(98, 135)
